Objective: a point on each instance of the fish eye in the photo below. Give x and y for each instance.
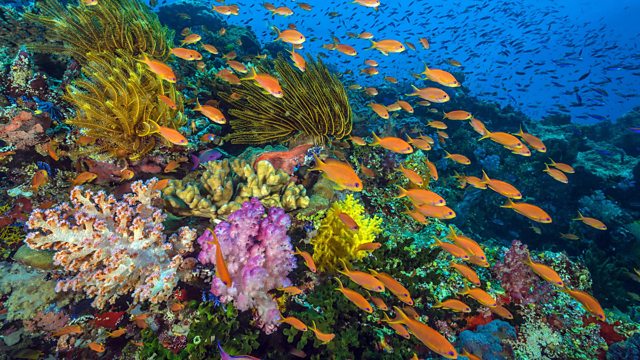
(367, 309)
(357, 185)
(451, 353)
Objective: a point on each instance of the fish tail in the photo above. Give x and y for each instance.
(346, 268)
(448, 154)
(520, 133)
(508, 204)
(403, 316)
(485, 177)
(452, 231)
(373, 45)
(319, 164)
(409, 139)
(339, 283)
(485, 136)
(313, 325)
(580, 216)
(198, 106)
(436, 243)
(403, 192)
(552, 162)
(376, 139)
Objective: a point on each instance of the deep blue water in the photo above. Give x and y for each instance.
(529, 54)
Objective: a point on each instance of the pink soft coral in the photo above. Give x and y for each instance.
(259, 256)
(24, 130)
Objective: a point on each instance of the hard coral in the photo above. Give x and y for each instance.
(335, 241)
(111, 248)
(315, 106)
(225, 185)
(259, 256)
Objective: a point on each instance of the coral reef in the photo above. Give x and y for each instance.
(110, 248)
(335, 241)
(258, 255)
(488, 341)
(225, 185)
(315, 106)
(24, 129)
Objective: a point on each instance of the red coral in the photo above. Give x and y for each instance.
(20, 211)
(24, 130)
(285, 160)
(108, 320)
(473, 321)
(607, 331)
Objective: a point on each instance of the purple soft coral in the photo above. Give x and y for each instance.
(259, 256)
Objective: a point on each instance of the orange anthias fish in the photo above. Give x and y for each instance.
(391, 143)
(478, 126)
(433, 171)
(83, 178)
(348, 221)
(161, 184)
(291, 290)
(420, 143)
(412, 176)
(437, 125)
(417, 216)
(428, 336)
(267, 82)
(341, 173)
(533, 212)
(589, 302)
(480, 296)
(470, 245)
(422, 196)
(228, 76)
(379, 303)
(323, 337)
(452, 249)
(210, 49)
(459, 158)
(191, 39)
(358, 140)
(237, 66)
(556, 174)
(363, 279)
(71, 329)
(295, 322)
(167, 101)
(405, 106)
(425, 43)
(502, 312)
(186, 54)
(370, 246)
(226, 9)
(474, 181)
(501, 187)
(290, 36)
(431, 94)
(173, 136)
(387, 46)
(453, 304)
(117, 333)
(503, 138)
(298, 60)
(441, 77)
(222, 272)
(40, 178)
(159, 68)
(308, 259)
(397, 327)
(368, 3)
(467, 272)
(544, 272)
(438, 212)
(349, 51)
(211, 113)
(282, 11)
(458, 115)
(562, 167)
(97, 347)
(171, 166)
(355, 297)
(593, 222)
(394, 286)
(381, 110)
(532, 141)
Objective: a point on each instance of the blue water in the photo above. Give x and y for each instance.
(528, 54)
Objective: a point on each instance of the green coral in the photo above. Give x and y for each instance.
(10, 237)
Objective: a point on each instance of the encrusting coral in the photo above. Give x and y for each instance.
(335, 242)
(259, 256)
(225, 185)
(314, 105)
(110, 248)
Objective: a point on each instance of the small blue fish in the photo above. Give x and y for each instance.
(225, 356)
(635, 130)
(204, 157)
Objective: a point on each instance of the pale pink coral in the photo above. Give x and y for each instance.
(285, 160)
(259, 256)
(111, 248)
(24, 130)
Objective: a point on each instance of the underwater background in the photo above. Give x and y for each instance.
(362, 179)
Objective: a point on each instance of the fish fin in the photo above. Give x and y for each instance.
(403, 192)
(552, 162)
(373, 43)
(373, 272)
(485, 177)
(580, 216)
(339, 283)
(319, 164)
(448, 154)
(376, 139)
(485, 136)
(409, 139)
(403, 316)
(344, 263)
(508, 204)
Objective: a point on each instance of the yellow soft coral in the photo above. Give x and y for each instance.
(335, 241)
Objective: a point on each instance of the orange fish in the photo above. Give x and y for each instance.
(305, 6)
(97, 347)
(341, 173)
(502, 312)
(562, 167)
(503, 138)
(40, 178)
(298, 60)
(420, 143)
(441, 77)
(173, 136)
(290, 36)
(428, 336)
(544, 271)
(411, 175)
(371, 63)
(381, 110)
(238, 66)
(417, 216)
(533, 212)
(308, 260)
(282, 11)
(141, 320)
(186, 54)
(501, 187)
(459, 158)
(437, 125)
(363, 279)
(67, 330)
(171, 166)
(348, 221)
(366, 36)
(355, 297)
(267, 82)
(391, 79)
(387, 46)
(470, 245)
(405, 106)
(368, 3)
(228, 76)
(357, 140)
(478, 126)
(391, 143)
(523, 150)
(167, 101)
(453, 304)
(556, 174)
(480, 296)
(176, 307)
(367, 172)
(452, 249)
(83, 178)
(593, 222)
(467, 272)
(222, 272)
(126, 174)
(454, 62)
(431, 94)
(532, 141)
(394, 286)
(424, 42)
(394, 107)
(117, 333)
(379, 303)
(469, 355)
(422, 196)
(291, 290)
(433, 171)
(295, 322)
(226, 9)
(191, 39)
(589, 302)
(159, 68)
(350, 51)
(458, 115)
(210, 48)
(211, 113)
(438, 212)
(474, 181)
(371, 91)
(323, 337)
(161, 184)
(477, 261)
(85, 140)
(397, 327)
